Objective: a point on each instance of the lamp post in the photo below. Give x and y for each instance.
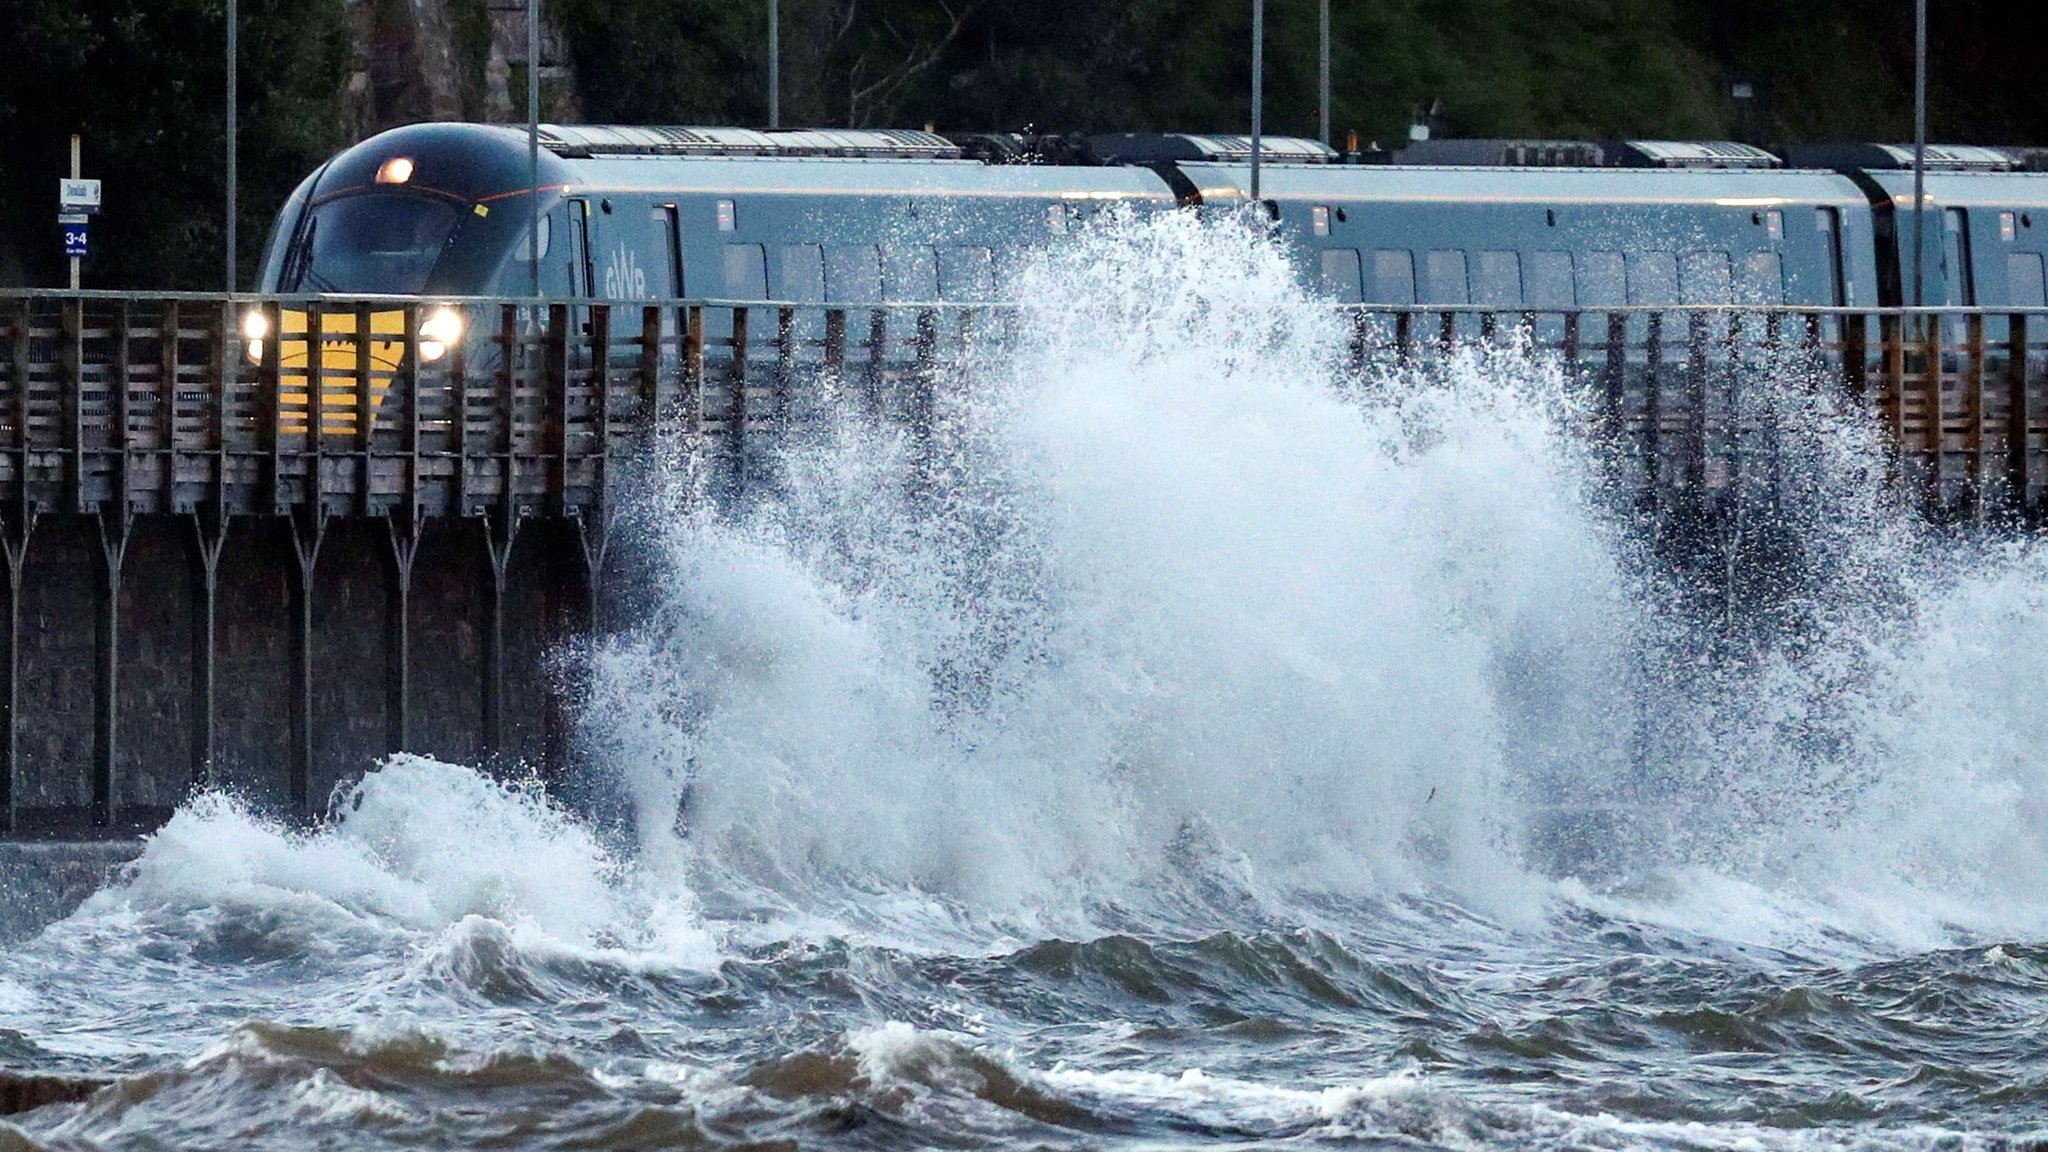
(774, 65)
(1323, 98)
(1919, 150)
(533, 137)
(1258, 87)
(233, 130)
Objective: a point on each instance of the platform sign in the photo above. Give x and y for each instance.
(78, 195)
(76, 231)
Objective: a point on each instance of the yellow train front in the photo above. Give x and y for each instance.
(371, 257)
(363, 349)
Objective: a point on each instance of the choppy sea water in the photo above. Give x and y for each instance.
(1190, 744)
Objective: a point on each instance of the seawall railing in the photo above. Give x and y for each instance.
(256, 542)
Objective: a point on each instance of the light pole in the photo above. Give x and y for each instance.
(1919, 149)
(533, 137)
(774, 66)
(234, 129)
(1258, 88)
(1323, 100)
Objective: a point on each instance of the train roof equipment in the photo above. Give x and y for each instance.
(589, 141)
(1689, 154)
(1510, 153)
(1182, 148)
(1895, 157)
(1502, 153)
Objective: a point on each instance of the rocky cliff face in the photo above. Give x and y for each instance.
(413, 60)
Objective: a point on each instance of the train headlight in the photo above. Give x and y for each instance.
(441, 329)
(255, 328)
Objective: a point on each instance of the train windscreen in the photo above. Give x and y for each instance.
(378, 242)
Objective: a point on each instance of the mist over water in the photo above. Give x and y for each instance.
(1188, 740)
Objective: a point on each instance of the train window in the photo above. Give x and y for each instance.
(524, 251)
(853, 274)
(802, 275)
(1319, 220)
(2006, 229)
(1600, 280)
(1500, 280)
(1706, 278)
(2025, 285)
(1340, 275)
(1760, 280)
(1393, 278)
(1444, 278)
(1550, 280)
(746, 272)
(1774, 224)
(377, 242)
(280, 242)
(728, 216)
(966, 274)
(910, 273)
(1056, 217)
(1652, 278)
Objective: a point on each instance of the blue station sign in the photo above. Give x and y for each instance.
(77, 229)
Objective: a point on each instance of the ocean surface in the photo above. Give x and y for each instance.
(1189, 743)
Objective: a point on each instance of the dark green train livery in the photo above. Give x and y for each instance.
(859, 217)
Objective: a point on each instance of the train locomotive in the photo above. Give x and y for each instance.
(825, 217)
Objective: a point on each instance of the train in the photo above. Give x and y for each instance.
(842, 216)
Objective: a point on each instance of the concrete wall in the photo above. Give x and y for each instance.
(111, 720)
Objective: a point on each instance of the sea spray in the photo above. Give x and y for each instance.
(417, 842)
(1179, 581)
(1167, 576)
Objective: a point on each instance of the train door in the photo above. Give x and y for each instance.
(1828, 222)
(668, 235)
(576, 254)
(1955, 259)
(576, 257)
(1958, 277)
(667, 279)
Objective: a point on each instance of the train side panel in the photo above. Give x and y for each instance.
(859, 232)
(1551, 239)
(1985, 237)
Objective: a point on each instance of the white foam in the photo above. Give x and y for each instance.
(418, 845)
(1179, 588)
(1186, 588)
(1412, 1107)
(1403, 1105)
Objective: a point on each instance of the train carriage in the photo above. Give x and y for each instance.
(1985, 228)
(879, 219)
(824, 217)
(1552, 238)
